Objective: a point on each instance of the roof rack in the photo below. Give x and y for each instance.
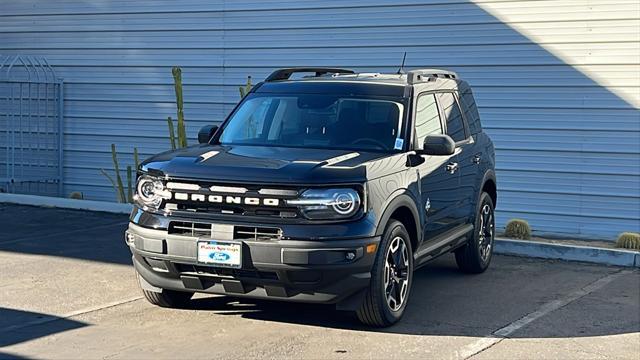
(420, 75)
(284, 74)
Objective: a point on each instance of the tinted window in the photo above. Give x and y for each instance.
(455, 125)
(316, 121)
(470, 111)
(427, 118)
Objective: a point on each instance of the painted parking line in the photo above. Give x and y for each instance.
(52, 318)
(497, 336)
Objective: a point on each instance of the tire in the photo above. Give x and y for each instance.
(377, 310)
(167, 298)
(475, 256)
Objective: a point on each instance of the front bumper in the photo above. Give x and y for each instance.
(317, 271)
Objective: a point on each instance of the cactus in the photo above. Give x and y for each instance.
(122, 195)
(77, 195)
(518, 229)
(116, 167)
(113, 184)
(182, 134)
(244, 90)
(172, 133)
(129, 182)
(136, 158)
(177, 139)
(629, 240)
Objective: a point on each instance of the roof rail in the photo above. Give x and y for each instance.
(420, 75)
(284, 74)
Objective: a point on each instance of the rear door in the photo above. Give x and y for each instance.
(475, 154)
(438, 185)
(465, 167)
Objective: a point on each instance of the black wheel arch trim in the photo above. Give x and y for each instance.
(401, 198)
(490, 174)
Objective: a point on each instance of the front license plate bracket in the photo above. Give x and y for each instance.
(220, 253)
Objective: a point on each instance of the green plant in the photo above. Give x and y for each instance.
(76, 195)
(252, 127)
(122, 195)
(172, 133)
(116, 167)
(178, 140)
(136, 158)
(182, 133)
(129, 184)
(244, 89)
(517, 229)
(629, 240)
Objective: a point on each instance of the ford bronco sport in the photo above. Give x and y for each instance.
(329, 188)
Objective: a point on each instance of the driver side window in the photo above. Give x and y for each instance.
(427, 118)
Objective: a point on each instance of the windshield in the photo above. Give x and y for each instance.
(316, 121)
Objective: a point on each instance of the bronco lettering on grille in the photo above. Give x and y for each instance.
(219, 199)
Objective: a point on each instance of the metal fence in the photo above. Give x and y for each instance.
(31, 126)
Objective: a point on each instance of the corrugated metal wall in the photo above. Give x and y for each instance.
(558, 82)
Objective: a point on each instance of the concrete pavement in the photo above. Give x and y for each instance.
(67, 290)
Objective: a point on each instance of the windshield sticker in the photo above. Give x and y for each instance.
(399, 143)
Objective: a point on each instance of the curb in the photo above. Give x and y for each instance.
(48, 201)
(588, 254)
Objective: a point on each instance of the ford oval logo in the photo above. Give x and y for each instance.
(219, 256)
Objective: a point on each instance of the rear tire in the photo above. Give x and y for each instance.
(167, 298)
(391, 277)
(475, 256)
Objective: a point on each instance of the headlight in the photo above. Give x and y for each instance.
(317, 204)
(150, 192)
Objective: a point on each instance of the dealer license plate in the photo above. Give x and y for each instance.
(220, 253)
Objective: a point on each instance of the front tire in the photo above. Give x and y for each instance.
(391, 277)
(475, 256)
(167, 298)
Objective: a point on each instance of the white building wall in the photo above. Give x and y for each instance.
(557, 82)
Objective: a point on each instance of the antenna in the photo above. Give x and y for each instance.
(401, 69)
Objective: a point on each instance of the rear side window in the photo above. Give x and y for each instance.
(453, 116)
(470, 111)
(427, 118)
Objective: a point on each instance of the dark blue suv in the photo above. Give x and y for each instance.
(328, 188)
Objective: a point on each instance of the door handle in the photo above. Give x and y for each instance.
(452, 167)
(477, 158)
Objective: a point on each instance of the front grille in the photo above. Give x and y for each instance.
(256, 233)
(188, 269)
(188, 228)
(211, 198)
(222, 231)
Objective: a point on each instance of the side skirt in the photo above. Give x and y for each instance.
(443, 244)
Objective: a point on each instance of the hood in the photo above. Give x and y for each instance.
(263, 164)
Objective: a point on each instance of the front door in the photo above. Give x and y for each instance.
(439, 178)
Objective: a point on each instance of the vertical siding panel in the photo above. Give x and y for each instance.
(557, 82)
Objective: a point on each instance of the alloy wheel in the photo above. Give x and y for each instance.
(485, 235)
(396, 273)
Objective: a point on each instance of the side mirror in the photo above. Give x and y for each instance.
(438, 145)
(206, 133)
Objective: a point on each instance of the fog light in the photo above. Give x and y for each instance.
(129, 238)
(350, 255)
